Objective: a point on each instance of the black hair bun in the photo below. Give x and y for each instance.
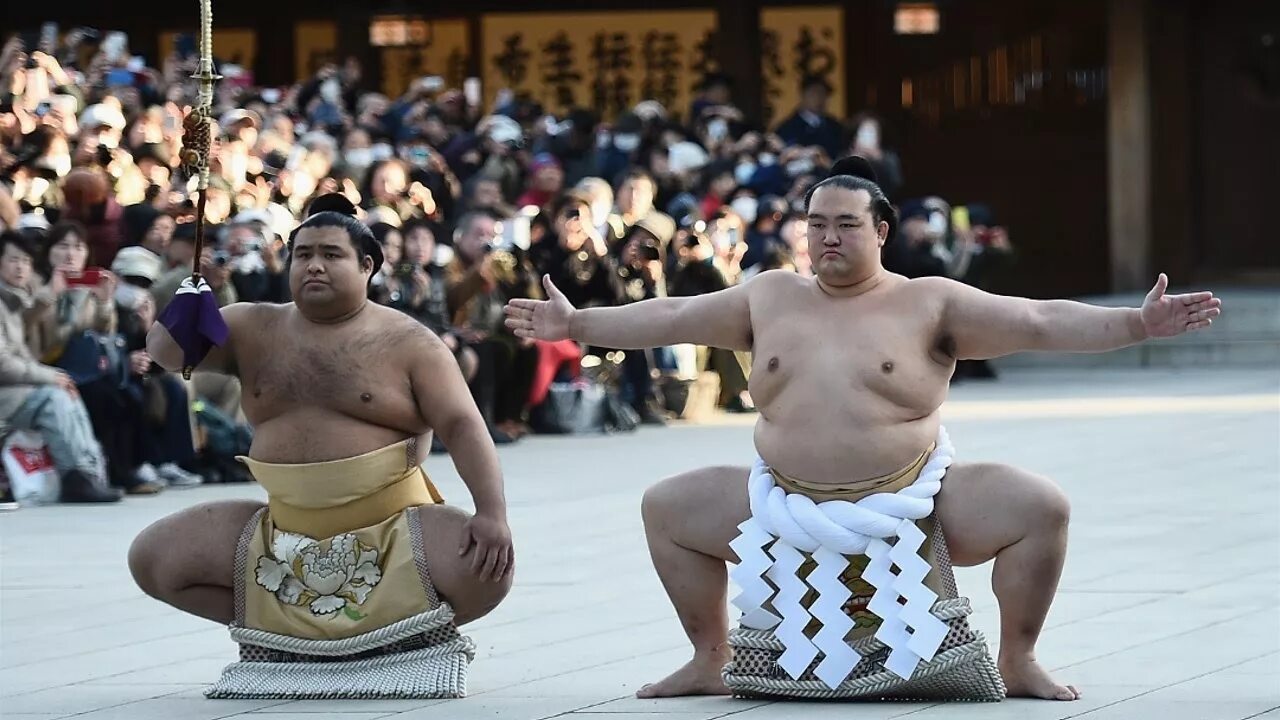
(854, 165)
(332, 202)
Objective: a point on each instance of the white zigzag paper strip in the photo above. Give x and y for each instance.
(748, 574)
(838, 658)
(800, 651)
(829, 530)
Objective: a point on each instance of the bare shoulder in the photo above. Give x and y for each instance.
(772, 284)
(932, 290)
(777, 280)
(253, 316)
(931, 285)
(410, 339)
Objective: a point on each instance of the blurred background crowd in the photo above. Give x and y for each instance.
(471, 207)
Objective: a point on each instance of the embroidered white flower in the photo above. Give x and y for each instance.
(325, 576)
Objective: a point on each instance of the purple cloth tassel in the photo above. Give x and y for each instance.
(195, 323)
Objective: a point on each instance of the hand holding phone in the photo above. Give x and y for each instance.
(89, 277)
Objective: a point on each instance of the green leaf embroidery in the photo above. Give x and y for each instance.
(352, 613)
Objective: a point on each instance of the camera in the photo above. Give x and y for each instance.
(221, 257)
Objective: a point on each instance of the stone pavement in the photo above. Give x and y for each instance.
(1169, 607)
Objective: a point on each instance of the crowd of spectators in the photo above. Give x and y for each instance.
(471, 208)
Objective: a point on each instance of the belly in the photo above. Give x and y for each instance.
(841, 448)
(312, 435)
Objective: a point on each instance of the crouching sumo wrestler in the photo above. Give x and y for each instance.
(352, 579)
(846, 526)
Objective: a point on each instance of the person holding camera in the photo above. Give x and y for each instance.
(416, 286)
(78, 333)
(576, 257)
(254, 258)
(643, 258)
(484, 274)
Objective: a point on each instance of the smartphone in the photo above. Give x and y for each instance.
(431, 83)
(868, 136)
(718, 129)
(960, 218)
(113, 46)
(89, 277)
(119, 77)
(271, 95)
(471, 91)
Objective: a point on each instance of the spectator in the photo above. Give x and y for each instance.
(165, 442)
(35, 396)
(643, 258)
(577, 258)
(546, 181)
(214, 268)
(922, 250)
(635, 196)
(256, 261)
(479, 282)
(77, 309)
(148, 227)
(79, 333)
(90, 202)
(810, 125)
(868, 142)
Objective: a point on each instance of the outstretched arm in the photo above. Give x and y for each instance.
(984, 325)
(719, 319)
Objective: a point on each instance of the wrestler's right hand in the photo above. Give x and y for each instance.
(541, 319)
(488, 538)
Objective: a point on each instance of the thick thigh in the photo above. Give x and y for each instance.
(196, 546)
(470, 597)
(986, 507)
(699, 510)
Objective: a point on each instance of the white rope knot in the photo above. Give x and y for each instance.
(784, 523)
(839, 525)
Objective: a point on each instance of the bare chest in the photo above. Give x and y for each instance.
(838, 356)
(352, 374)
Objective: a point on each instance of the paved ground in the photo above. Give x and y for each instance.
(1170, 605)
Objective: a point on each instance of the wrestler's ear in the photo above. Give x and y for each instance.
(882, 232)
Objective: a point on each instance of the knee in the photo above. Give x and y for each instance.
(657, 501)
(1044, 503)
(145, 564)
(1055, 507)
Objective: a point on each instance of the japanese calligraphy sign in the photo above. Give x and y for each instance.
(604, 61)
(795, 42)
(444, 53)
(315, 43)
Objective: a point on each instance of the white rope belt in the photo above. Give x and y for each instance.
(785, 524)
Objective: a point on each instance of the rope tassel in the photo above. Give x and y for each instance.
(193, 318)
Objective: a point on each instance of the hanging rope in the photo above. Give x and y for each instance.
(197, 135)
(192, 317)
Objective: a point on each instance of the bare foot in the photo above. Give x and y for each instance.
(700, 676)
(1025, 678)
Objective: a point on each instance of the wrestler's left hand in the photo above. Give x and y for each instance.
(1169, 315)
(488, 538)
